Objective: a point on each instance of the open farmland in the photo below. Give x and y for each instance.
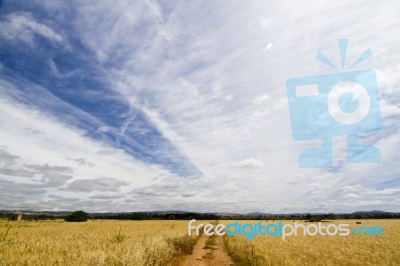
(93, 242)
(320, 250)
(111, 242)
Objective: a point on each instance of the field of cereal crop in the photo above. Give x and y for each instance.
(93, 242)
(320, 250)
(111, 242)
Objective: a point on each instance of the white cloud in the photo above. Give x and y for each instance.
(389, 110)
(249, 163)
(42, 140)
(23, 27)
(389, 79)
(262, 98)
(264, 22)
(103, 129)
(206, 53)
(280, 104)
(104, 184)
(268, 46)
(362, 191)
(200, 73)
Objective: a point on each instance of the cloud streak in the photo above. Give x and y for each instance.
(23, 27)
(151, 93)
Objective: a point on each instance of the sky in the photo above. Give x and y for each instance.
(182, 105)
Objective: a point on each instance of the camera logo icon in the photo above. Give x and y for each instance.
(344, 103)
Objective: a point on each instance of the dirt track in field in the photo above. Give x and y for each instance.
(207, 256)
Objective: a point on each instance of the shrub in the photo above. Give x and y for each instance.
(77, 216)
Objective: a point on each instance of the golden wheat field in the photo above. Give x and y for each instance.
(93, 242)
(320, 250)
(164, 242)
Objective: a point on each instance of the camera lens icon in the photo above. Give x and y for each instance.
(337, 104)
(340, 104)
(348, 103)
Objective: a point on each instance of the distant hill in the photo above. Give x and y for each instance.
(184, 215)
(372, 212)
(259, 214)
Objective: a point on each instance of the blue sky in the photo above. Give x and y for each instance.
(182, 105)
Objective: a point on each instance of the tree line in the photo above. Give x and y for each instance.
(199, 216)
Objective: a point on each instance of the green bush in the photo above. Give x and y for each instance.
(77, 216)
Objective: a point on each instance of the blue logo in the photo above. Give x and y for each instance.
(368, 231)
(344, 103)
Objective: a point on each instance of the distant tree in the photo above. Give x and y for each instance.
(308, 216)
(358, 216)
(331, 216)
(77, 216)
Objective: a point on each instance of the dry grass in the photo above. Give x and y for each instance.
(318, 250)
(163, 242)
(93, 243)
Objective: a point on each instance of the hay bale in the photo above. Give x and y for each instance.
(315, 219)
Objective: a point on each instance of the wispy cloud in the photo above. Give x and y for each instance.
(249, 163)
(186, 89)
(107, 184)
(23, 27)
(130, 117)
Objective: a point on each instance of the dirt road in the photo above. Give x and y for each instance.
(208, 251)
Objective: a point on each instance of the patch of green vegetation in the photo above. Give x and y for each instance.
(243, 255)
(210, 243)
(184, 245)
(118, 238)
(77, 216)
